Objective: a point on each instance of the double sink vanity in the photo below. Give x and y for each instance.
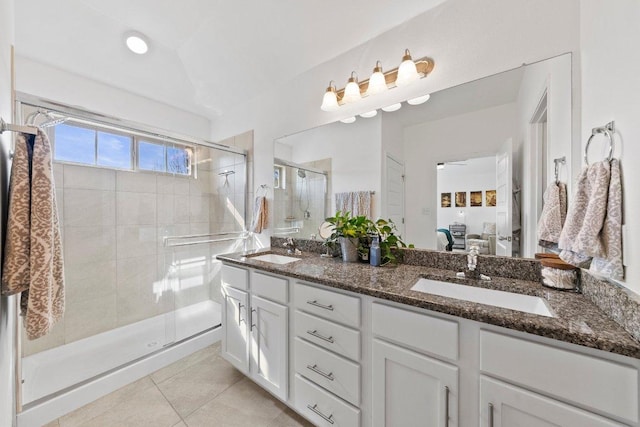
(348, 344)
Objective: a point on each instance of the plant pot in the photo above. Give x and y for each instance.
(349, 248)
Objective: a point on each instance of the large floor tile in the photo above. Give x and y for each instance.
(206, 354)
(198, 384)
(289, 418)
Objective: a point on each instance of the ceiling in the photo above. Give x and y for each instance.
(206, 56)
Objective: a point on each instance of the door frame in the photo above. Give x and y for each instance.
(384, 211)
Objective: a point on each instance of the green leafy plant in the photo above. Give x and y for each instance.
(362, 228)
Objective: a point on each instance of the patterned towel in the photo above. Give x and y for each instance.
(356, 202)
(592, 234)
(554, 212)
(33, 249)
(260, 215)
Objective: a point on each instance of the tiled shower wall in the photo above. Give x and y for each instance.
(117, 268)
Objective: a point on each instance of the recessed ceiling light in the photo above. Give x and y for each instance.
(419, 100)
(348, 120)
(137, 43)
(392, 107)
(369, 114)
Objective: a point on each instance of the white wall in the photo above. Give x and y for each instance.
(47, 82)
(554, 77)
(610, 62)
(465, 136)
(477, 175)
(354, 150)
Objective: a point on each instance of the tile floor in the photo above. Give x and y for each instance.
(200, 390)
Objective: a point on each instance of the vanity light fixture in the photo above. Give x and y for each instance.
(379, 82)
(392, 107)
(369, 114)
(137, 42)
(348, 120)
(419, 100)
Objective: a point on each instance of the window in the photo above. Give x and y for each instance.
(95, 146)
(83, 145)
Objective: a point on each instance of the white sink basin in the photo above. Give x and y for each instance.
(275, 259)
(519, 302)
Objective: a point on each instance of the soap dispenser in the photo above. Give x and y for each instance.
(375, 254)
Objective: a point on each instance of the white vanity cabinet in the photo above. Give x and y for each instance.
(410, 388)
(255, 327)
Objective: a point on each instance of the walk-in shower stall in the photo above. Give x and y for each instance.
(300, 198)
(143, 216)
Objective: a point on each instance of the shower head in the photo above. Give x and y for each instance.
(302, 173)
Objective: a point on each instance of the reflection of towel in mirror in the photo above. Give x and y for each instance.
(356, 202)
(554, 212)
(33, 248)
(260, 214)
(592, 233)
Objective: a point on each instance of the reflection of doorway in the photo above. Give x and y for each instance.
(540, 156)
(395, 192)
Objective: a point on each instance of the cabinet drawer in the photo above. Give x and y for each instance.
(322, 408)
(335, 373)
(340, 339)
(273, 288)
(420, 331)
(328, 304)
(235, 277)
(602, 385)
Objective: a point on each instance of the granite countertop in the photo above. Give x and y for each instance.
(578, 320)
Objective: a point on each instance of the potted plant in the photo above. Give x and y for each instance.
(348, 230)
(386, 231)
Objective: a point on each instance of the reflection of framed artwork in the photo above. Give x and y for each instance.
(475, 198)
(445, 200)
(461, 199)
(490, 196)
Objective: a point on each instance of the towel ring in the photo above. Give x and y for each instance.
(608, 131)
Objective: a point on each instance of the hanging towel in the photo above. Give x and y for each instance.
(356, 202)
(33, 249)
(554, 212)
(610, 264)
(593, 227)
(260, 214)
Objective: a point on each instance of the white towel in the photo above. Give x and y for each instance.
(33, 249)
(260, 215)
(593, 228)
(554, 212)
(356, 202)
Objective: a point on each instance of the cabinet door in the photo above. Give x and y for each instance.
(269, 349)
(235, 328)
(505, 405)
(410, 389)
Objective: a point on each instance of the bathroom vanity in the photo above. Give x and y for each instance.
(347, 344)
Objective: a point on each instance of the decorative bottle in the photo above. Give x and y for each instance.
(374, 252)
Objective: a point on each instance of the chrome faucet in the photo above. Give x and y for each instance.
(472, 258)
(292, 247)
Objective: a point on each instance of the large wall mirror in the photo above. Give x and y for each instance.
(474, 158)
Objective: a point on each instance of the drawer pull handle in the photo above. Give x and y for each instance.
(490, 414)
(315, 369)
(240, 320)
(317, 304)
(322, 337)
(446, 406)
(253, 310)
(315, 409)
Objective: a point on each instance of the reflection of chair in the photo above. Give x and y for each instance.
(486, 242)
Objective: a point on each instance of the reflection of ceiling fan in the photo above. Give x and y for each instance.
(441, 165)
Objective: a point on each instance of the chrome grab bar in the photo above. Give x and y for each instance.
(315, 333)
(242, 235)
(286, 230)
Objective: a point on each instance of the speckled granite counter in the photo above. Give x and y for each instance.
(578, 320)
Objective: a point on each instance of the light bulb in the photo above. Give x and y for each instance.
(330, 100)
(407, 71)
(369, 114)
(351, 90)
(348, 120)
(392, 107)
(419, 100)
(137, 43)
(377, 82)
